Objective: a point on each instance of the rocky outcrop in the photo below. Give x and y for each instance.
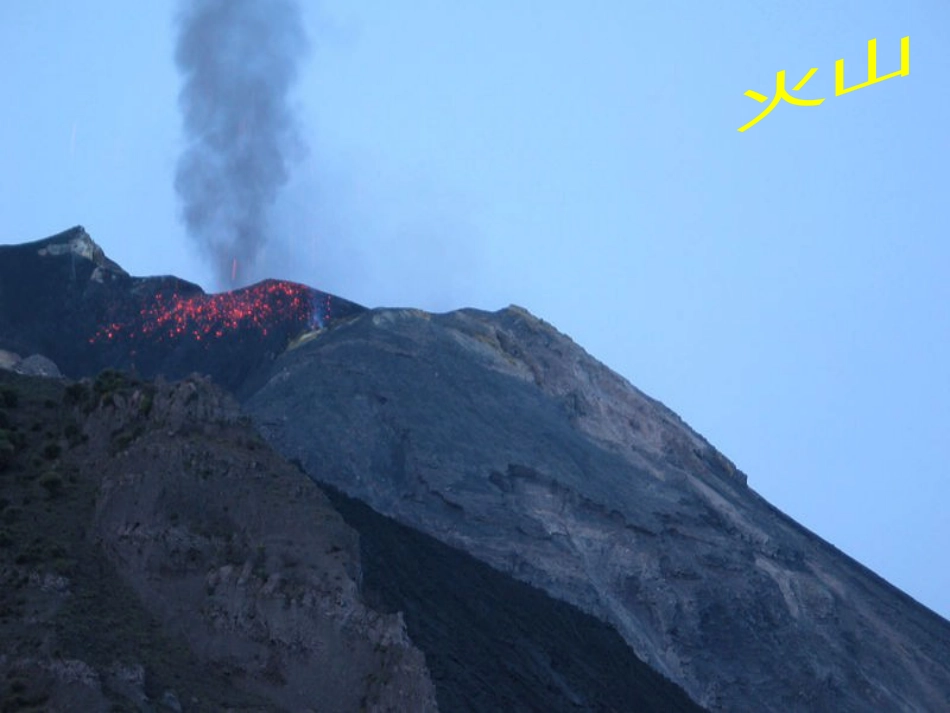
(63, 298)
(487, 434)
(493, 643)
(33, 365)
(257, 571)
(37, 365)
(191, 567)
(501, 437)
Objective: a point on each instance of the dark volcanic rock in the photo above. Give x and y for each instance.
(501, 437)
(492, 433)
(154, 550)
(63, 298)
(493, 643)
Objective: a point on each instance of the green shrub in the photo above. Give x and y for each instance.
(123, 439)
(73, 433)
(31, 555)
(259, 562)
(55, 551)
(75, 394)
(53, 483)
(109, 381)
(148, 400)
(7, 450)
(12, 514)
(9, 397)
(51, 451)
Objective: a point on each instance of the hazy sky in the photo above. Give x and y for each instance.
(785, 289)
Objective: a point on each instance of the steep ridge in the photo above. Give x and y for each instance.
(156, 555)
(493, 643)
(63, 298)
(499, 436)
(151, 606)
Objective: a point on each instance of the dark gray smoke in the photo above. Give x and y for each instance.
(239, 59)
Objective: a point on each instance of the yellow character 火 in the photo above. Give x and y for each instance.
(781, 93)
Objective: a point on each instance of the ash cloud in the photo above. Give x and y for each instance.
(239, 60)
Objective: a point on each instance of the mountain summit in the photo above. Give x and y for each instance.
(455, 441)
(64, 298)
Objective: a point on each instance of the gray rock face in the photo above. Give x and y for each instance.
(256, 571)
(37, 365)
(157, 555)
(499, 436)
(76, 243)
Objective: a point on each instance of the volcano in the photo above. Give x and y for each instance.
(553, 538)
(63, 298)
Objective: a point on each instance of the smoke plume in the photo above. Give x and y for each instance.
(239, 59)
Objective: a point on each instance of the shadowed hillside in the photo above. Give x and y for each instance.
(539, 522)
(156, 555)
(493, 643)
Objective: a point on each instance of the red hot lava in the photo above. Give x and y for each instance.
(259, 308)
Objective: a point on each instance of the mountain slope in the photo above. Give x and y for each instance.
(493, 643)
(63, 298)
(156, 555)
(170, 560)
(499, 436)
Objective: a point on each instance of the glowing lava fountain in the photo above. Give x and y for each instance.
(261, 309)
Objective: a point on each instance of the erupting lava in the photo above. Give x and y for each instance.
(267, 306)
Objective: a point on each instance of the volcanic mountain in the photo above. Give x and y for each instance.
(63, 298)
(493, 470)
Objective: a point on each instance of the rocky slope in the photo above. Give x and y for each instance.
(61, 297)
(493, 643)
(482, 439)
(156, 555)
(161, 557)
(499, 436)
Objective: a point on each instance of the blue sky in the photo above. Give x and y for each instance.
(784, 289)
